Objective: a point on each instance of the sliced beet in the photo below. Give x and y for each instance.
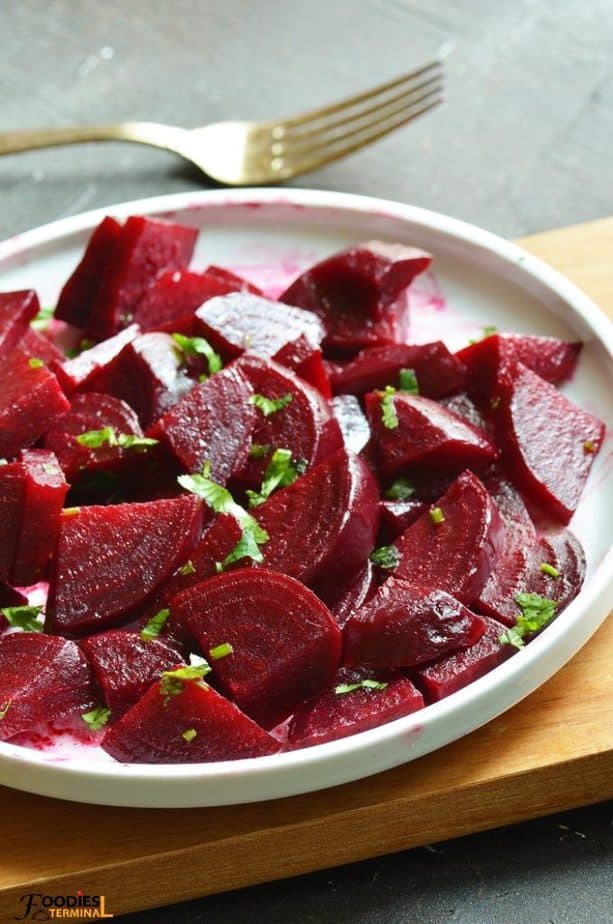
(78, 297)
(45, 490)
(171, 300)
(111, 559)
(196, 725)
(397, 515)
(12, 499)
(463, 406)
(305, 426)
(285, 642)
(242, 322)
(242, 285)
(452, 673)
(458, 553)
(307, 362)
(17, 309)
(426, 437)
(76, 374)
(335, 715)
(42, 678)
(405, 625)
(124, 666)
(354, 426)
(212, 423)
(438, 371)
(37, 346)
(548, 443)
(147, 374)
(322, 528)
(509, 502)
(361, 589)
(31, 402)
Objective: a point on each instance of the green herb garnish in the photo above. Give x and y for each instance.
(154, 626)
(546, 568)
(400, 489)
(359, 685)
(408, 381)
(485, 332)
(589, 446)
(4, 708)
(389, 416)
(107, 436)
(187, 568)
(172, 682)
(221, 651)
(386, 556)
(268, 406)
(198, 346)
(35, 363)
(536, 612)
(97, 718)
(189, 734)
(259, 450)
(437, 516)
(23, 617)
(42, 319)
(280, 473)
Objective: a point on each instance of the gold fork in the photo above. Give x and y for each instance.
(255, 153)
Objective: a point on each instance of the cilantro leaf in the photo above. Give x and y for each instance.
(400, 489)
(23, 617)
(35, 363)
(221, 651)
(389, 416)
(43, 318)
(408, 381)
(198, 346)
(343, 688)
(259, 450)
(189, 734)
(97, 718)
(107, 436)
(172, 682)
(280, 473)
(187, 568)
(536, 612)
(386, 556)
(548, 569)
(154, 626)
(248, 546)
(437, 516)
(268, 406)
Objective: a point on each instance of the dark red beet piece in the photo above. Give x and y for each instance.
(211, 423)
(351, 420)
(336, 715)
(427, 437)
(305, 426)
(459, 553)
(76, 374)
(31, 402)
(405, 625)
(322, 528)
(45, 490)
(9, 596)
(42, 679)
(242, 322)
(397, 515)
(124, 666)
(17, 309)
(79, 294)
(463, 406)
(444, 677)
(548, 443)
(12, 498)
(154, 730)
(242, 285)
(109, 560)
(171, 300)
(286, 644)
(361, 589)
(147, 374)
(37, 346)
(438, 371)
(307, 362)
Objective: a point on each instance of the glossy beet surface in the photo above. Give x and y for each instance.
(358, 592)
(285, 643)
(78, 297)
(17, 309)
(352, 421)
(397, 515)
(42, 678)
(12, 498)
(438, 371)
(77, 374)
(31, 402)
(307, 362)
(37, 345)
(110, 559)
(44, 491)
(171, 300)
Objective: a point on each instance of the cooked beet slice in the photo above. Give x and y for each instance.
(322, 528)
(111, 559)
(212, 423)
(351, 420)
(147, 373)
(42, 678)
(171, 300)
(397, 515)
(490, 359)
(285, 642)
(336, 715)
(307, 362)
(31, 402)
(242, 322)
(242, 285)
(463, 406)
(452, 673)
(196, 725)
(78, 297)
(354, 292)
(12, 498)
(45, 490)
(37, 346)
(361, 589)
(458, 553)
(426, 437)
(405, 624)
(548, 443)
(305, 425)
(124, 666)
(17, 309)
(76, 374)
(438, 371)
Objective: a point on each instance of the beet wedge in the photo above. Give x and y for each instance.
(405, 625)
(322, 528)
(78, 296)
(285, 644)
(109, 560)
(239, 283)
(192, 725)
(44, 491)
(76, 374)
(307, 362)
(548, 443)
(17, 309)
(171, 300)
(455, 546)
(361, 589)
(42, 679)
(31, 402)
(438, 371)
(353, 706)
(424, 436)
(12, 499)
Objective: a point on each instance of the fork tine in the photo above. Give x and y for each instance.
(281, 127)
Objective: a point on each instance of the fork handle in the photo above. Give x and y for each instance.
(167, 137)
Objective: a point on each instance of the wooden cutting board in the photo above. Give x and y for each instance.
(553, 751)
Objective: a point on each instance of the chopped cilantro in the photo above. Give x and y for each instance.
(589, 446)
(221, 651)
(248, 546)
(187, 568)
(107, 436)
(259, 450)
(154, 626)
(400, 489)
(97, 718)
(280, 473)
(23, 617)
(268, 406)
(388, 411)
(42, 319)
(436, 515)
(546, 568)
(71, 511)
(198, 346)
(189, 734)
(408, 381)
(4, 708)
(35, 363)
(172, 682)
(536, 612)
(359, 685)
(489, 330)
(386, 556)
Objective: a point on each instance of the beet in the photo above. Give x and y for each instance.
(35, 345)
(406, 624)
(548, 443)
(212, 423)
(31, 402)
(307, 362)
(124, 666)
(171, 300)
(12, 499)
(305, 426)
(76, 374)
(159, 729)
(322, 528)
(17, 309)
(335, 715)
(426, 437)
(438, 371)
(361, 589)
(459, 553)
(78, 297)
(42, 679)
(354, 426)
(45, 490)
(111, 559)
(463, 406)
(452, 673)
(240, 284)
(397, 515)
(9, 596)
(286, 644)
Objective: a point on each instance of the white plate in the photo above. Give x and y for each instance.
(484, 280)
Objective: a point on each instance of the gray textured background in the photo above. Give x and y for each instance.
(523, 144)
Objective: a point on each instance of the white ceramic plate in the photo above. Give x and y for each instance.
(270, 235)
